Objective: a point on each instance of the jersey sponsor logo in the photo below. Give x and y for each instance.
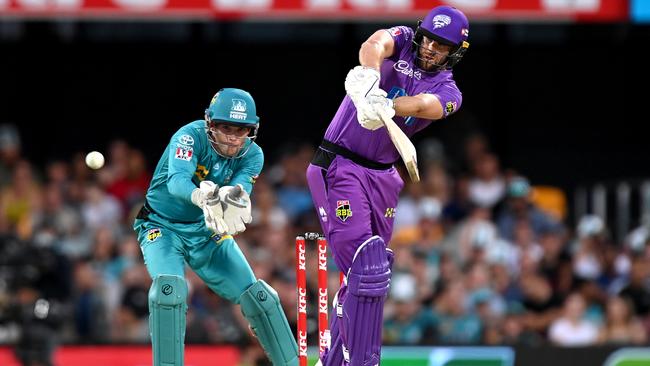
(238, 109)
(441, 20)
(406, 69)
(153, 235)
(186, 140)
(395, 31)
(343, 210)
(238, 115)
(450, 107)
(184, 154)
(201, 172)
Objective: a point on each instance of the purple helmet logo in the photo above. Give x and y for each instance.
(441, 20)
(447, 23)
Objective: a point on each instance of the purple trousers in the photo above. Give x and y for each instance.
(354, 203)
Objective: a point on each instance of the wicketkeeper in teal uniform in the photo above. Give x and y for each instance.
(197, 201)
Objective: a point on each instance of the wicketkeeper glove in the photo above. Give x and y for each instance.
(207, 198)
(236, 205)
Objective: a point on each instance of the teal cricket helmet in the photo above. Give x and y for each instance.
(234, 106)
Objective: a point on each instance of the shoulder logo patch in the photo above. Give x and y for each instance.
(184, 153)
(450, 107)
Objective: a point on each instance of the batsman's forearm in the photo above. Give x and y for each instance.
(428, 108)
(407, 106)
(371, 54)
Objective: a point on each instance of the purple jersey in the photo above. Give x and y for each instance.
(399, 76)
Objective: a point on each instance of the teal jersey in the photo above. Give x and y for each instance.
(190, 159)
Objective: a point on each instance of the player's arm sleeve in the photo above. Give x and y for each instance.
(450, 98)
(182, 162)
(430, 105)
(402, 37)
(250, 169)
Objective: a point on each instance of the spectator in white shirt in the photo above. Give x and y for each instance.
(487, 187)
(571, 329)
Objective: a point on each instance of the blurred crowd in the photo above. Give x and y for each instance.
(483, 256)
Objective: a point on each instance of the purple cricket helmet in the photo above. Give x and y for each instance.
(446, 25)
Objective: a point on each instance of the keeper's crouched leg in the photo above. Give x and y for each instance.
(167, 309)
(368, 281)
(260, 305)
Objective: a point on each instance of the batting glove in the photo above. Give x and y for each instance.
(360, 82)
(379, 103)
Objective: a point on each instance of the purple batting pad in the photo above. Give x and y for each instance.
(368, 282)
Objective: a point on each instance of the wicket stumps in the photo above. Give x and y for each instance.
(301, 279)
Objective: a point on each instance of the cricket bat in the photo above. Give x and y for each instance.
(403, 145)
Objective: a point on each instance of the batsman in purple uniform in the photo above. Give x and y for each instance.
(353, 182)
